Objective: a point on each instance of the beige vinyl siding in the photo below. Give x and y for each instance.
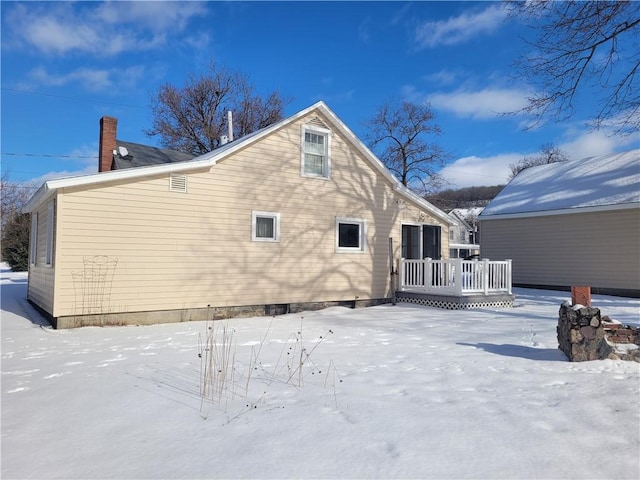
(177, 250)
(598, 249)
(40, 288)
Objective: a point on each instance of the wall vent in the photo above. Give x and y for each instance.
(178, 183)
(317, 122)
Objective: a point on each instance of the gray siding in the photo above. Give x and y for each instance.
(597, 249)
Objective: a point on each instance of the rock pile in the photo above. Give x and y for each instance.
(584, 335)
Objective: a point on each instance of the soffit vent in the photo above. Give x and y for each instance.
(178, 183)
(317, 122)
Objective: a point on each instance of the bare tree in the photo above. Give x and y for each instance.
(399, 133)
(193, 118)
(549, 153)
(591, 47)
(15, 224)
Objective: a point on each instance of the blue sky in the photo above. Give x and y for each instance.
(65, 65)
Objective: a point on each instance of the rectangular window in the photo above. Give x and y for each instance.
(316, 148)
(265, 227)
(33, 241)
(350, 235)
(50, 226)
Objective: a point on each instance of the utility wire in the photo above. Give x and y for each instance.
(46, 155)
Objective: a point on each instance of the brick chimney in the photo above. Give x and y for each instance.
(108, 128)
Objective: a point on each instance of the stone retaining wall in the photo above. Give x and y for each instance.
(584, 335)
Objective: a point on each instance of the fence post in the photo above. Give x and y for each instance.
(427, 272)
(485, 275)
(403, 267)
(509, 275)
(457, 276)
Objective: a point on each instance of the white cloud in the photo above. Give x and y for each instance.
(591, 143)
(578, 143)
(99, 29)
(456, 30)
(85, 156)
(475, 171)
(155, 16)
(481, 104)
(91, 79)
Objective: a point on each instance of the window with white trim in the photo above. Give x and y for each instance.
(265, 226)
(33, 241)
(316, 151)
(351, 234)
(48, 259)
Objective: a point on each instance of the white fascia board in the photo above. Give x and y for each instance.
(473, 246)
(422, 203)
(378, 165)
(564, 211)
(203, 161)
(50, 186)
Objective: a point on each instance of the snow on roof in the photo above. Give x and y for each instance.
(594, 182)
(467, 212)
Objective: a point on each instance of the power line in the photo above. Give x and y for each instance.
(46, 155)
(71, 98)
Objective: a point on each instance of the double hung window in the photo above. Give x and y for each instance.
(316, 149)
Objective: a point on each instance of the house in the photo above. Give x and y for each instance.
(575, 223)
(295, 216)
(463, 237)
(117, 154)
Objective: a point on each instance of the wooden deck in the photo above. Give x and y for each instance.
(456, 284)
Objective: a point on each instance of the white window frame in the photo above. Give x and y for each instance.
(33, 241)
(48, 258)
(276, 227)
(363, 235)
(327, 164)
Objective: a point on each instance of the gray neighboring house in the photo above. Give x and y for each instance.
(117, 154)
(575, 223)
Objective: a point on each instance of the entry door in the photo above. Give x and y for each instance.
(431, 242)
(413, 248)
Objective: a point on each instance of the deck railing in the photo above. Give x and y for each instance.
(455, 276)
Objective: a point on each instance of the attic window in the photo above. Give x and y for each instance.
(178, 183)
(316, 151)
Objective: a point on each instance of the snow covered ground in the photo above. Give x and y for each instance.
(384, 392)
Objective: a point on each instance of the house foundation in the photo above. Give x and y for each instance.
(199, 314)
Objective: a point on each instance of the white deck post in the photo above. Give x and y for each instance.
(402, 273)
(485, 275)
(509, 275)
(457, 277)
(426, 273)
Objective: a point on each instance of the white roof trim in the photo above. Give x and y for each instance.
(564, 211)
(211, 158)
(463, 246)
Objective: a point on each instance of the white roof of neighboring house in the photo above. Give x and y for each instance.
(606, 182)
(464, 215)
(209, 159)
